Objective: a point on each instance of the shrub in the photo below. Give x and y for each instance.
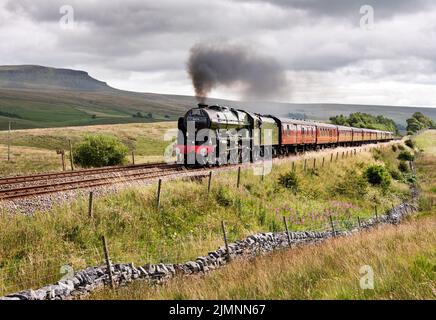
(289, 180)
(409, 143)
(401, 147)
(378, 175)
(352, 184)
(403, 166)
(410, 178)
(394, 148)
(313, 172)
(406, 156)
(376, 153)
(395, 174)
(223, 197)
(100, 151)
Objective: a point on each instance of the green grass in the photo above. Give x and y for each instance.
(33, 248)
(59, 108)
(426, 141)
(403, 259)
(44, 108)
(426, 169)
(34, 150)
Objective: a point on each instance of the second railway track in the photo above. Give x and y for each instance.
(16, 187)
(40, 184)
(78, 173)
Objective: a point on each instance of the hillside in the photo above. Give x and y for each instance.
(38, 97)
(38, 77)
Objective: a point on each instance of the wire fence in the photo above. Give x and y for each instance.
(38, 272)
(44, 271)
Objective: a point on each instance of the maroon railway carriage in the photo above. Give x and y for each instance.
(288, 135)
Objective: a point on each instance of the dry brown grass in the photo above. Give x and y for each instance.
(27, 160)
(34, 150)
(403, 259)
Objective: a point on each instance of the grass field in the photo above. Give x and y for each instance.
(426, 169)
(33, 248)
(403, 259)
(34, 150)
(61, 108)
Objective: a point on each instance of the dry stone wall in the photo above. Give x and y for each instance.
(95, 278)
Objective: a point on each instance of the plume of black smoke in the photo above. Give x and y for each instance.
(211, 66)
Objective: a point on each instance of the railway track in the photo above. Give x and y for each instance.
(39, 184)
(46, 183)
(68, 174)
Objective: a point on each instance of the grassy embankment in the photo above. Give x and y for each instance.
(34, 150)
(32, 249)
(403, 259)
(426, 169)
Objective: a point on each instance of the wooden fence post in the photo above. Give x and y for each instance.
(358, 222)
(263, 172)
(376, 213)
(71, 155)
(9, 141)
(91, 204)
(287, 231)
(305, 164)
(314, 163)
(209, 183)
(293, 166)
(331, 157)
(133, 157)
(332, 225)
(337, 155)
(239, 178)
(159, 188)
(223, 227)
(323, 160)
(62, 153)
(63, 161)
(108, 262)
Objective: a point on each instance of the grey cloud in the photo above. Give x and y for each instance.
(382, 8)
(137, 36)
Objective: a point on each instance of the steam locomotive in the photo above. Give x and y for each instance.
(217, 135)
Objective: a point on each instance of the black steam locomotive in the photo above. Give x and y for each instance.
(217, 135)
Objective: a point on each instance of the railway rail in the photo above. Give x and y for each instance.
(40, 184)
(78, 173)
(45, 183)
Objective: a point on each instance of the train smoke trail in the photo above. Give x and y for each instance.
(211, 66)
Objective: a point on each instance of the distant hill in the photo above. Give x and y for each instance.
(38, 77)
(37, 96)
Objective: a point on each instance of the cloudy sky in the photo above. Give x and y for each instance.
(330, 50)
